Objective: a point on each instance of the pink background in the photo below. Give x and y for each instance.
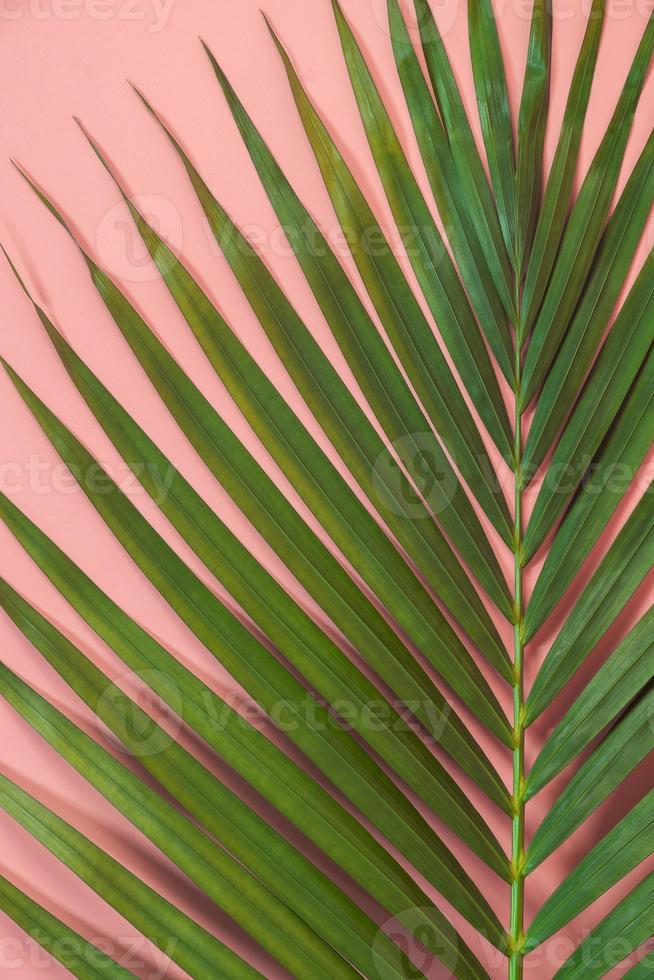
(57, 59)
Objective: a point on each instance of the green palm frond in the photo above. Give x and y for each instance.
(395, 688)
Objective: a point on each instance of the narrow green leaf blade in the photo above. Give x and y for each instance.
(298, 796)
(195, 950)
(622, 849)
(615, 370)
(622, 931)
(620, 679)
(81, 958)
(584, 228)
(575, 357)
(558, 190)
(614, 469)
(623, 568)
(532, 122)
(619, 752)
(494, 114)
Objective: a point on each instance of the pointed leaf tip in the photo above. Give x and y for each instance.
(13, 376)
(86, 133)
(24, 174)
(148, 105)
(14, 162)
(274, 35)
(16, 273)
(212, 59)
(267, 20)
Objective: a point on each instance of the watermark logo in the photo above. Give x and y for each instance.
(417, 15)
(425, 717)
(154, 13)
(120, 246)
(425, 945)
(446, 13)
(144, 723)
(133, 953)
(434, 480)
(43, 477)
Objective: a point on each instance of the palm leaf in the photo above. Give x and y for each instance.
(433, 267)
(208, 865)
(341, 416)
(351, 432)
(614, 259)
(522, 288)
(322, 487)
(282, 527)
(452, 508)
(200, 416)
(621, 455)
(82, 958)
(617, 366)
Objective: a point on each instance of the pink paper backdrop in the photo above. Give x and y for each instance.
(73, 56)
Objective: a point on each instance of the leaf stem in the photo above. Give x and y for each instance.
(516, 932)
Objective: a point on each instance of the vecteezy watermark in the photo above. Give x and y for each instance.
(43, 477)
(425, 945)
(365, 717)
(121, 248)
(143, 723)
(155, 13)
(436, 482)
(375, 240)
(133, 953)
(419, 14)
(432, 476)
